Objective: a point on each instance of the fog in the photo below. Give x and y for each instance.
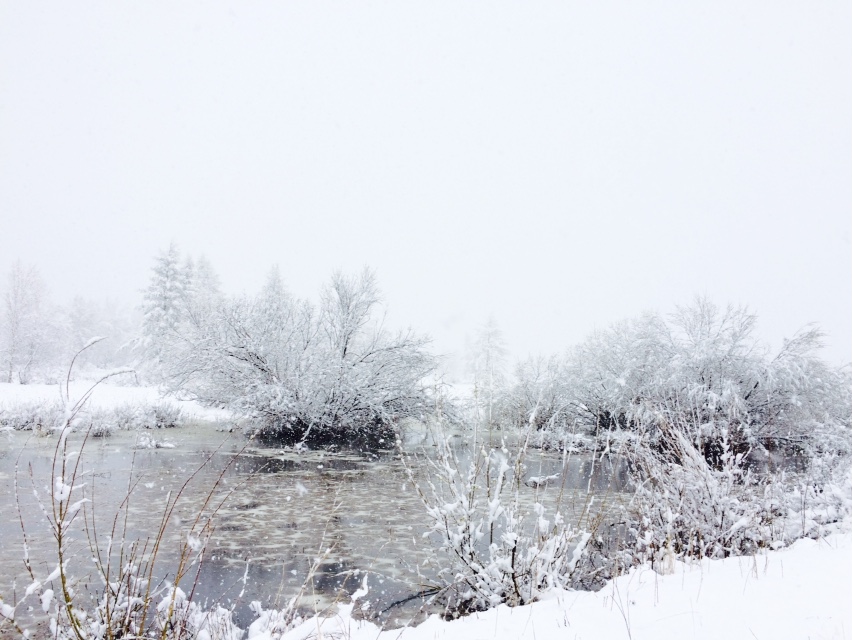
(555, 166)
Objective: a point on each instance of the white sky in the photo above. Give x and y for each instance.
(558, 165)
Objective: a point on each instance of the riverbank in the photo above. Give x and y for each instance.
(798, 592)
(106, 397)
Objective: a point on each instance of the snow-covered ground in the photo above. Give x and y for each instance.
(106, 396)
(799, 592)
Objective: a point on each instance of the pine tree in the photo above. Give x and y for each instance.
(165, 305)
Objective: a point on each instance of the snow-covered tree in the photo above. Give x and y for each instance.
(205, 281)
(537, 394)
(165, 304)
(486, 359)
(85, 318)
(297, 371)
(27, 333)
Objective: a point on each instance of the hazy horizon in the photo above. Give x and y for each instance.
(557, 167)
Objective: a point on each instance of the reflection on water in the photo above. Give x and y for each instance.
(355, 512)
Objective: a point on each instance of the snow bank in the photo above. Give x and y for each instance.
(106, 396)
(798, 592)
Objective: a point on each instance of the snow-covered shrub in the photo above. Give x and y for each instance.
(121, 610)
(706, 368)
(554, 439)
(41, 417)
(160, 415)
(818, 497)
(684, 507)
(500, 548)
(291, 369)
(126, 416)
(46, 417)
(538, 390)
(98, 423)
(179, 617)
(688, 507)
(136, 416)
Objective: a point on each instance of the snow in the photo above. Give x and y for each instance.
(541, 481)
(147, 441)
(798, 592)
(61, 490)
(46, 598)
(106, 396)
(7, 611)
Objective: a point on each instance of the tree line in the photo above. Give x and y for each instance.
(38, 337)
(332, 369)
(702, 371)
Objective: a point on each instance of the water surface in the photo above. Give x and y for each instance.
(344, 513)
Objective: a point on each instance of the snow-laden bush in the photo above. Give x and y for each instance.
(293, 370)
(130, 416)
(686, 507)
(501, 548)
(40, 417)
(705, 367)
(538, 390)
(704, 414)
(178, 616)
(131, 607)
(818, 497)
(46, 417)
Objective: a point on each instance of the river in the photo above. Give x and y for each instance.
(344, 513)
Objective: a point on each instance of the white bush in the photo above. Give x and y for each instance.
(706, 366)
(292, 369)
(41, 417)
(684, 507)
(45, 417)
(500, 549)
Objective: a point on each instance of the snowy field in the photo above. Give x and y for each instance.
(106, 396)
(799, 592)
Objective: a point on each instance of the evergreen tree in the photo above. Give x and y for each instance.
(165, 305)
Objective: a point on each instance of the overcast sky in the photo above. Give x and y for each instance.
(557, 166)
